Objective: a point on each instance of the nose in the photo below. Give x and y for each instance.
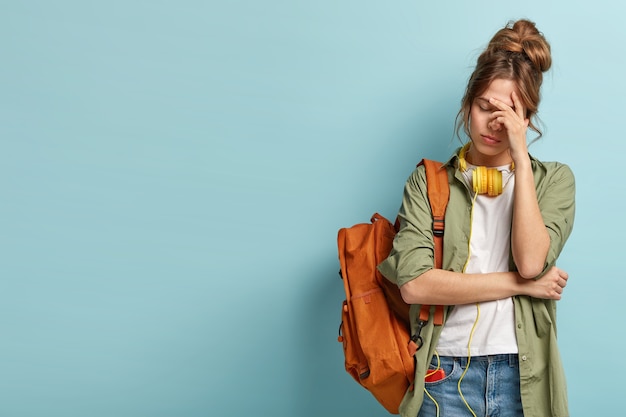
(495, 125)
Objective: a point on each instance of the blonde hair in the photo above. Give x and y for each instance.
(517, 52)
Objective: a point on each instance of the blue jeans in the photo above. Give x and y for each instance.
(491, 387)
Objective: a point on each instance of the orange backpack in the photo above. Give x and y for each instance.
(375, 329)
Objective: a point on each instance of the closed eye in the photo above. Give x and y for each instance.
(484, 105)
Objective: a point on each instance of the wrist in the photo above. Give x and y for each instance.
(521, 160)
(521, 284)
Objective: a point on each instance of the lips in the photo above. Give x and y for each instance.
(490, 140)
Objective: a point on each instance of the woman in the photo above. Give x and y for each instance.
(508, 217)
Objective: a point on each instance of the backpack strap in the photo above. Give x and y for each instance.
(438, 195)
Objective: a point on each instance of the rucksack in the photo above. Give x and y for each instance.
(375, 330)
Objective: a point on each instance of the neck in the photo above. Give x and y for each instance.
(469, 154)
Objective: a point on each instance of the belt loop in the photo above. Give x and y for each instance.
(462, 361)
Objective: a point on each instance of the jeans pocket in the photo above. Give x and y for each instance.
(448, 365)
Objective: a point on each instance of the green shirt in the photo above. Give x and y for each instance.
(542, 379)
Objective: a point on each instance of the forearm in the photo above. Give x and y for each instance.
(439, 286)
(530, 240)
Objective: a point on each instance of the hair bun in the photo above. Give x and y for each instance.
(522, 36)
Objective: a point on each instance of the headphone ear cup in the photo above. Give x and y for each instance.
(497, 182)
(487, 181)
(484, 180)
(491, 189)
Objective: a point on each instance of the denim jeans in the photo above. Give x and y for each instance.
(491, 387)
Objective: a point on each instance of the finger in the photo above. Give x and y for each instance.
(511, 122)
(519, 107)
(503, 115)
(500, 105)
(503, 120)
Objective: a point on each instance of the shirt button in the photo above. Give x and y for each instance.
(524, 357)
(519, 325)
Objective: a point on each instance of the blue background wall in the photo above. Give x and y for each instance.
(173, 175)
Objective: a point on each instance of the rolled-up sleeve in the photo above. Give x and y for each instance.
(556, 197)
(413, 252)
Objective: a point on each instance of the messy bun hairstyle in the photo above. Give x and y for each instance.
(517, 52)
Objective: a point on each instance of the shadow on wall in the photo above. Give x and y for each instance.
(324, 387)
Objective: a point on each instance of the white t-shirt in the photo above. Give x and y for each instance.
(490, 243)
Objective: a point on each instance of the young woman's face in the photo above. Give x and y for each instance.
(490, 142)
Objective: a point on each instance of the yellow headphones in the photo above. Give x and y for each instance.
(484, 180)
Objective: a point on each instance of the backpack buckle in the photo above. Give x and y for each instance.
(438, 226)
